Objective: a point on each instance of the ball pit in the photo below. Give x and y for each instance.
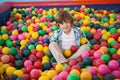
(25, 55)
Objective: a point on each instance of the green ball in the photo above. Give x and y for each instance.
(24, 28)
(106, 19)
(41, 32)
(112, 51)
(3, 31)
(112, 43)
(105, 57)
(53, 28)
(87, 10)
(2, 42)
(73, 77)
(113, 30)
(13, 51)
(66, 66)
(33, 7)
(9, 43)
(12, 12)
(13, 19)
(90, 45)
(31, 47)
(86, 32)
(40, 15)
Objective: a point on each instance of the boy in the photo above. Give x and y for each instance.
(66, 36)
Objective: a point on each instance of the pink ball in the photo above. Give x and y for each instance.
(104, 69)
(99, 30)
(27, 63)
(118, 17)
(72, 62)
(57, 78)
(116, 73)
(21, 37)
(97, 54)
(35, 74)
(40, 38)
(94, 19)
(20, 25)
(63, 74)
(48, 30)
(45, 36)
(85, 54)
(92, 70)
(13, 37)
(8, 23)
(113, 64)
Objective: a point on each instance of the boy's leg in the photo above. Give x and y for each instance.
(57, 52)
(84, 47)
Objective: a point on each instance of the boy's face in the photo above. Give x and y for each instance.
(65, 27)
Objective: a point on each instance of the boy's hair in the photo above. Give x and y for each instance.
(63, 16)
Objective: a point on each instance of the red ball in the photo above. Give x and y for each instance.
(98, 62)
(91, 52)
(39, 55)
(12, 58)
(45, 44)
(67, 70)
(104, 44)
(76, 67)
(97, 36)
(96, 47)
(72, 62)
(78, 18)
(115, 36)
(38, 65)
(79, 59)
(35, 74)
(33, 58)
(33, 51)
(29, 68)
(26, 76)
(115, 56)
(73, 48)
(116, 46)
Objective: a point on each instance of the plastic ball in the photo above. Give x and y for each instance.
(21, 37)
(98, 62)
(105, 57)
(87, 61)
(19, 64)
(41, 32)
(92, 70)
(5, 58)
(83, 41)
(95, 78)
(31, 47)
(112, 51)
(45, 49)
(72, 62)
(113, 65)
(73, 77)
(39, 47)
(5, 36)
(63, 74)
(113, 30)
(24, 28)
(86, 76)
(46, 66)
(85, 54)
(13, 37)
(21, 78)
(10, 70)
(43, 78)
(74, 71)
(35, 74)
(13, 77)
(38, 64)
(13, 51)
(35, 35)
(104, 48)
(57, 78)
(104, 69)
(19, 73)
(97, 54)
(27, 63)
(67, 53)
(9, 43)
(73, 48)
(109, 77)
(59, 67)
(51, 74)
(116, 74)
(1, 70)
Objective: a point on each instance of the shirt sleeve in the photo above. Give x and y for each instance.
(53, 37)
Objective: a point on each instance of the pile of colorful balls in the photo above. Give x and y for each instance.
(24, 52)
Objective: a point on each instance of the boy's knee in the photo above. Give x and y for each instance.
(52, 44)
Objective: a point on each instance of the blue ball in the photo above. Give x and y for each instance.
(109, 77)
(12, 77)
(95, 78)
(21, 78)
(19, 64)
(87, 61)
(18, 56)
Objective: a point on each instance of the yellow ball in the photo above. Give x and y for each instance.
(118, 31)
(23, 42)
(59, 67)
(35, 35)
(39, 47)
(83, 69)
(86, 76)
(67, 53)
(45, 49)
(103, 32)
(15, 32)
(108, 34)
(27, 35)
(10, 70)
(83, 28)
(110, 40)
(30, 28)
(46, 58)
(5, 66)
(92, 31)
(51, 74)
(118, 51)
(3, 28)
(74, 71)
(83, 6)
(5, 50)
(1, 64)
(44, 61)
(83, 41)
(104, 11)
(118, 39)
(5, 36)
(19, 73)
(37, 20)
(105, 37)
(43, 78)
(86, 21)
(1, 70)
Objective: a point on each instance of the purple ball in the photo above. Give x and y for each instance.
(116, 73)
(113, 65)
(104, 69)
